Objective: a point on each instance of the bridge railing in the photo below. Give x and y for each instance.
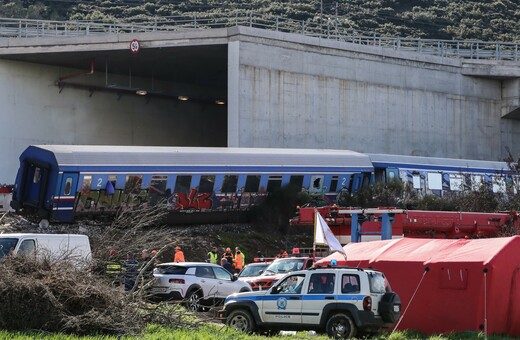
(325, 28)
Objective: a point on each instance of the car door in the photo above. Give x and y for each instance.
(208, 281)
(283, 303)
(225, 285)
(320, 292)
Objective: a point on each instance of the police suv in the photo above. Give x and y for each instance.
(342, 302)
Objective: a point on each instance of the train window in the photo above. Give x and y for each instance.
(334, 184)
(157, 187)
(229, 184)
(206, 184)
(182, 185)
(379, 175)
(86, 185)
(252, 183)
(456, 182)
(68, 186)
(37, 175)
(416, 180)
(434, 181)
(274, 183)
(476, 182)
(297, 182)
(133, 184)
(316, 183)
(112, 179)
(499, 184)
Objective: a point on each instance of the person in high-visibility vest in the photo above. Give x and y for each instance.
(240, 260)
(213, 256)
(114, 268)
(179, 255)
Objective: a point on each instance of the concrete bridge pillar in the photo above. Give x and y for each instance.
(511, 98)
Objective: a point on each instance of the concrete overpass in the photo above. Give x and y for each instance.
(251, 87)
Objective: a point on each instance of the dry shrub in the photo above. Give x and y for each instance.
(57, 296)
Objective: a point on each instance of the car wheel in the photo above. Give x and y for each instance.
(193, 301)
(341, 326)
(241, 321)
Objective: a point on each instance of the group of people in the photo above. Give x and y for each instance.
(232, 262)
(125, 273)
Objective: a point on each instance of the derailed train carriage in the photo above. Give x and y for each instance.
(62, 182)
(435, 176)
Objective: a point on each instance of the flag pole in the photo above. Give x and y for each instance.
(314, 238)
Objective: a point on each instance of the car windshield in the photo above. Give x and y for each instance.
(253, 270)
(284, 266)
(171, 270)
(6, 244)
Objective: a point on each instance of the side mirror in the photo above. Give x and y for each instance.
(234, 277)
(261, 272)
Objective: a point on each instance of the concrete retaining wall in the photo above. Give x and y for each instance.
(303, 94)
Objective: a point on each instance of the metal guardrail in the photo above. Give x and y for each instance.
(326, 29)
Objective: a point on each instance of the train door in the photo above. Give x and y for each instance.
(392, 174)
(359, 181)
(34, 184)
(385, 175)
(63, 209)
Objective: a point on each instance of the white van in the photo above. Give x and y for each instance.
(57, 246)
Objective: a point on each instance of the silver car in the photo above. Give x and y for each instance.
(197, 284)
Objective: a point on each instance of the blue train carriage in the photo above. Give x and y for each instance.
(60, 182)
(436, 176)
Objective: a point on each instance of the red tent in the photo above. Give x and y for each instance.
(448, 285)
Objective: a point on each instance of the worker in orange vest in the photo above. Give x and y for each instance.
(179, 255)
(239, 260)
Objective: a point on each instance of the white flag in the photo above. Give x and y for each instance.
(324, 236)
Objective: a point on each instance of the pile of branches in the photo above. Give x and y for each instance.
(57, 296)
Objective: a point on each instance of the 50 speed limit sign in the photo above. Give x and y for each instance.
(135, 46)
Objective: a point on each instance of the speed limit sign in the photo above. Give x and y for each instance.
(135, 46)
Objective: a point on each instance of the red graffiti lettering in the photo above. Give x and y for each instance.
(193, 201)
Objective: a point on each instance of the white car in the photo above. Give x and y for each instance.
(341, 302)
(198, 284)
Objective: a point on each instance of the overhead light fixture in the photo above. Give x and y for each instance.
(220, 102)
(141, 92)
(183, 98)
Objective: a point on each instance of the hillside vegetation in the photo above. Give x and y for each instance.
(493, 20)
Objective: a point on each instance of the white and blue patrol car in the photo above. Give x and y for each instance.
(342, 302)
